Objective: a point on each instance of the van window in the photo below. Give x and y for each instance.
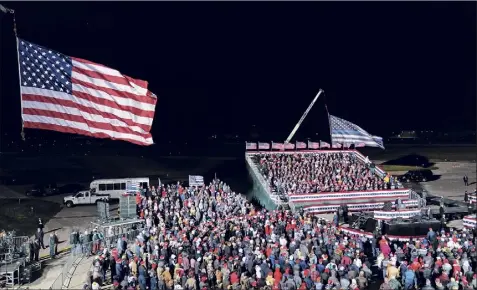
(109, 186)
(101, 187)
(117, 186)
(123, 186)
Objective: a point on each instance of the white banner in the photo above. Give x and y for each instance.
(196, 180)
(387, 215)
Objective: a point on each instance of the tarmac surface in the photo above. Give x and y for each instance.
(451, 183)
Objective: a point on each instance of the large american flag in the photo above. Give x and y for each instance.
(73, 95)
(343, 131)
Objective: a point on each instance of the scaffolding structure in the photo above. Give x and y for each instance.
(15, 264)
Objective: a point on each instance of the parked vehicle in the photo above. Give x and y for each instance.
(43, 190)
(85, 197)
(416, 176)
(117, 187)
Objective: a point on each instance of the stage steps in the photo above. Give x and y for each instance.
(360, 222)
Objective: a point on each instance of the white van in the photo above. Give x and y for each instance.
(117, 187)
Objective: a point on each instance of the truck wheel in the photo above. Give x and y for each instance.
(69, 204)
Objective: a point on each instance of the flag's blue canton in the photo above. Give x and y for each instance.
(44, 68)
(340, 126)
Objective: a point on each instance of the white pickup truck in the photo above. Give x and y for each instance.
(84, 198)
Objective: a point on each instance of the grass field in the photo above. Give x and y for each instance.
(433, 153)
(22, 215)
(391, 168)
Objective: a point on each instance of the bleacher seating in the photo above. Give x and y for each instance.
(307, 173)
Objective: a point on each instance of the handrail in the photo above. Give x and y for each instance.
(260, 178)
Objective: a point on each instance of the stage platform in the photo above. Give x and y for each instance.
(399, 227)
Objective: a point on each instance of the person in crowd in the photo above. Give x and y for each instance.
(212, 238)
(36, 250)
(303, 173)
(39, 236)
(52, 246)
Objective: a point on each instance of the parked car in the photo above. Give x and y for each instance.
(416, 176)
(85, 197)
(43, 190)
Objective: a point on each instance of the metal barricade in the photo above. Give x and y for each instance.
(72, 261)
(80, 251)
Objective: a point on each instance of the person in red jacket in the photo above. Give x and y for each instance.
(415, 265)
(234, 279)
(277, 275)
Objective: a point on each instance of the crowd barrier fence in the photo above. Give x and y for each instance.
(80, 251)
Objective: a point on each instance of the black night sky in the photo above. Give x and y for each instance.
(221, 67)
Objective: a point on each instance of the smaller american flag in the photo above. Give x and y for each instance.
(250, 146)
(337, 145)
(132, 187)
(300, 145)
(196, 180)
(313, 145)
(278, 146)
(289, 146)
(324, 144)
(263, 146)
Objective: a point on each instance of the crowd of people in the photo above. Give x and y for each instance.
(213, 238)
(304, 173)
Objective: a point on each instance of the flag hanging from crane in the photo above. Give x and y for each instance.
(73, 95)
(343, 131)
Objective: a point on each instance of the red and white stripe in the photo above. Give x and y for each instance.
(313, 145)
(300, 145)
(289, 146)
(103, 103)
(279, 146)
(324, 145)
(470, 221)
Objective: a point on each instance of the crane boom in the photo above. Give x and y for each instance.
(304, 116)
